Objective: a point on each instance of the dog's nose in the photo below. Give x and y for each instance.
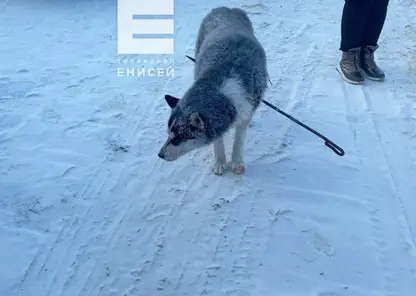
(161, 155)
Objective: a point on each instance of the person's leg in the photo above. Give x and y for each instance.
(354, 19)
(353, 24)
(370, 39)
(375, 23)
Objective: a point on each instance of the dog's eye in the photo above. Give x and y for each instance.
(175, 141)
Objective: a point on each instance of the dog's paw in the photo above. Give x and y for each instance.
(219, 168)
(238, 167)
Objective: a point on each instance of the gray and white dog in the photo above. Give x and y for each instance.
(230, 82)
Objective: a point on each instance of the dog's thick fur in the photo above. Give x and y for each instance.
(230, 81)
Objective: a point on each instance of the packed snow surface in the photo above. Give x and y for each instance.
(87, 208)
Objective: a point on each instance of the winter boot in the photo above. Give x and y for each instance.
(349, 66)
(369, 66)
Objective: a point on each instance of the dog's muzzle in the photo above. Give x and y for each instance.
(166, 157)
(163, 153)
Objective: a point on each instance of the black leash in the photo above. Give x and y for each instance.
(331, 145)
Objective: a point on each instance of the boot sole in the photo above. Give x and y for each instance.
(371, 78)
(348, 80)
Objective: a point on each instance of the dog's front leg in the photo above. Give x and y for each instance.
(237, 160)
(220, 162)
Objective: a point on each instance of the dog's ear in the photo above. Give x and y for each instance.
(197, 121)
(172, 101)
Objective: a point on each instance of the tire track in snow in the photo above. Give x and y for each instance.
(378, 219)
(75, 244)
(236, 252)
(42, 252)
(398, 99)
(247, 260)
(358, 108)
(215, 272)
(89, 284)
(298, 92)
(195, 181)
(40, 274)
(406, 238)
(241, 269)
(162, 221)
(152, 213)
(392, 177)
(207, 234)
(138, 130)
(210, 238)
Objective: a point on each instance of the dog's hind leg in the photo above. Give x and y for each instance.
(220, 161)
(237, 160)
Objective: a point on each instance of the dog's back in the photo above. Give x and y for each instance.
(223, 21)
(226, 44)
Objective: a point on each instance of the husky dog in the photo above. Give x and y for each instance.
(230, 79)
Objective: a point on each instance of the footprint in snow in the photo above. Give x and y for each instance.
(118, 147)
(16, 89)
(322, 245)
(255, 8)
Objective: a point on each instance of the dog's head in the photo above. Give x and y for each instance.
(186, 131)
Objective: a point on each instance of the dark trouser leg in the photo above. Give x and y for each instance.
(369, 43)
(353, 24)
(375, 23)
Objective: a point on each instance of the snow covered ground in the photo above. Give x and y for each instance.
(87, 208)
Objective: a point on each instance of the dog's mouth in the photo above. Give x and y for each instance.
(170, 152)
(167, 156)
(165, 153)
